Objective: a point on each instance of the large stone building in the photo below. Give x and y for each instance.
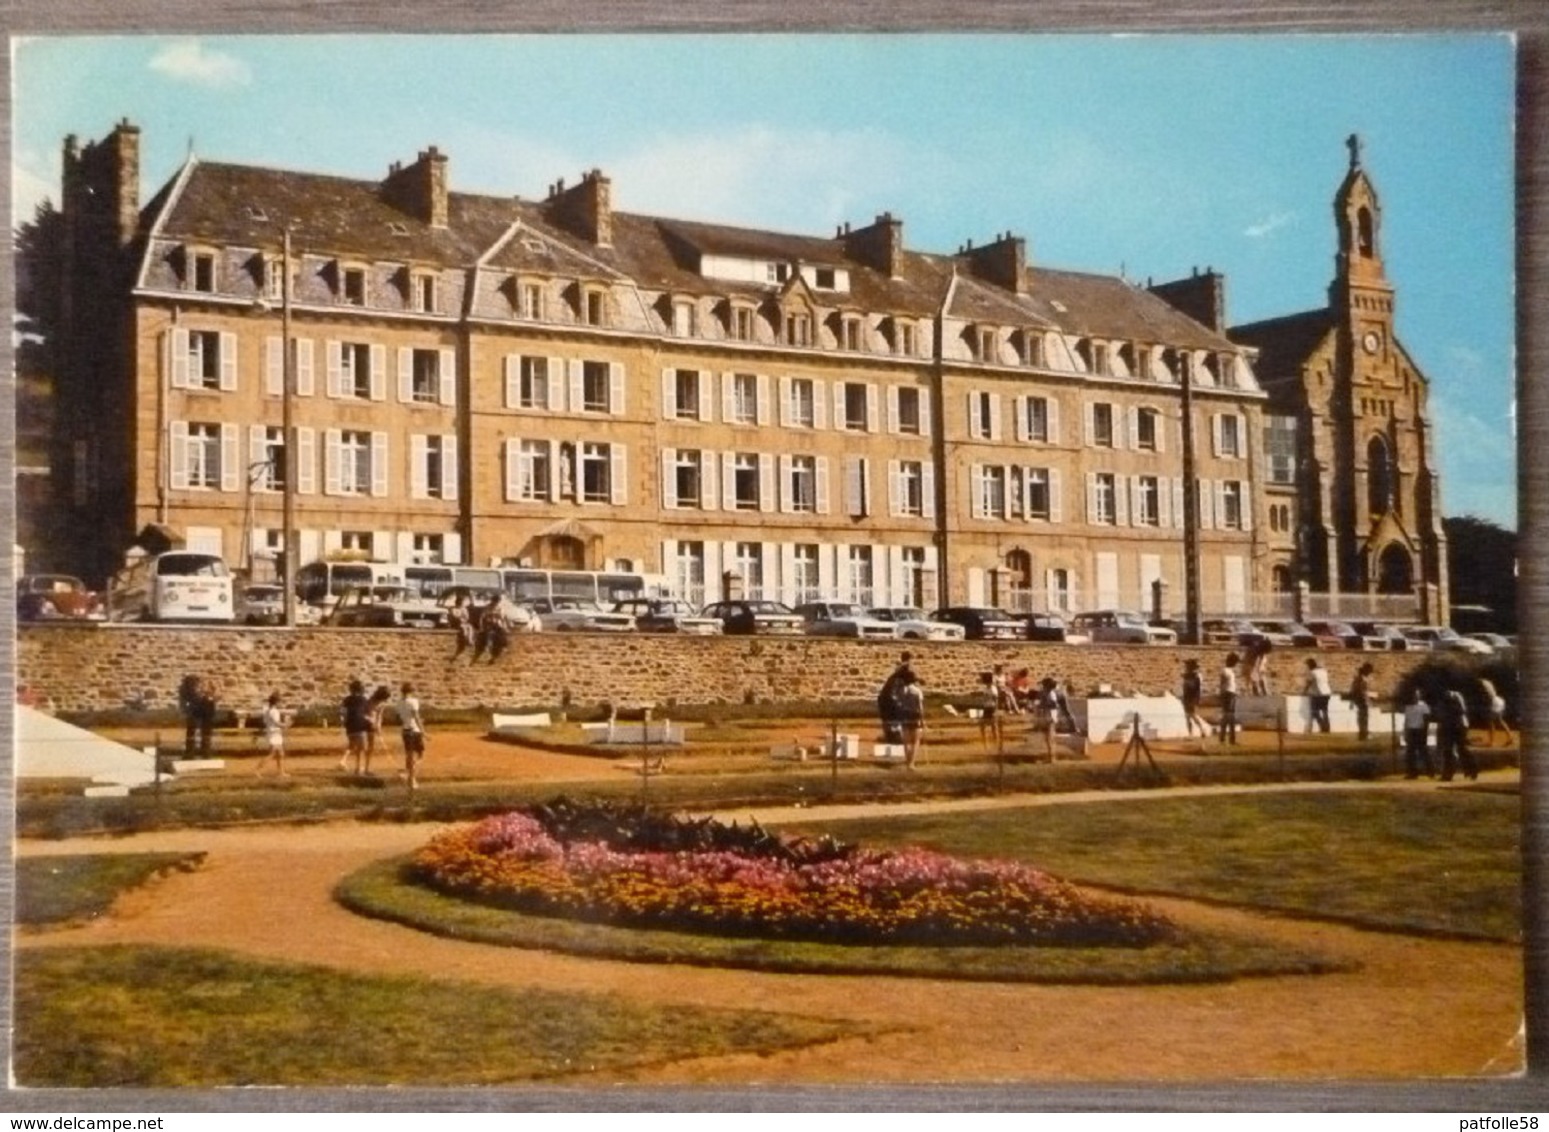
(552, 381)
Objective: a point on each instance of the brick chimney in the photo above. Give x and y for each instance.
(879, 246)
(1003, 263)
(420, 190)
(1201, 296)
(585, 209)
(101, 183)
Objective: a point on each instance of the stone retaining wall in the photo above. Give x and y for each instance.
(107, 668)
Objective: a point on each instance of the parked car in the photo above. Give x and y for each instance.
(843, 619)
(911, 623)
(1241, 632)
(982, 623)
(755, 617)
(262, 604)
(1498, 642)
(51, 597)
(1298, 636)
(1385, 636)
(667, 615)
(1121, 627)
(1444, 639)
(573, 615)
(1050, 627)
(1346, 634)
(384, 607)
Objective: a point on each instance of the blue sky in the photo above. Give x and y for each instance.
(1149, 155)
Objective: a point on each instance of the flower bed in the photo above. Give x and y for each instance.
(751, 883)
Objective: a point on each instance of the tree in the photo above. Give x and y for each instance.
(39, 247)
(1482, 567)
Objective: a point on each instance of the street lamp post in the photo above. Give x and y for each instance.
(288, 440)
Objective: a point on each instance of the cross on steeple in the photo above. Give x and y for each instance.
(1354, 142)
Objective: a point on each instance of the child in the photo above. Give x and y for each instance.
(273, 723)
(413, 735)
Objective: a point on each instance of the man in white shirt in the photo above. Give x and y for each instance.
(1319, 692)
(1228, 690)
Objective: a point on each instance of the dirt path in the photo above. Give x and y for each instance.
(1415, 1008)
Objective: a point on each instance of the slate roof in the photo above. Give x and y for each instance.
(1284, 344)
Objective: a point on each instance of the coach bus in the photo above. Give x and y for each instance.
(523, 584)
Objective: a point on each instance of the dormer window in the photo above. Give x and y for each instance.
(740, 324)
(906, 340)
(685, 322)
(823, 277)
(798, 329)
(352, 286)
(985, 344)
(528, 300)
(852, 329)
(1032, 348)
(777, 272)
(1100, 360)
(274, 279)
(424, 297)
(201, 271)
(592, 308)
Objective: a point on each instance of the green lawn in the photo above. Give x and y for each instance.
(1444, 861)
(58, 890)
(149, 1017)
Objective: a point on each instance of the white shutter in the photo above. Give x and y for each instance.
(177, 443)
(786, 415)
(380, 541)
(405, 374)
(1120, 501)
(892, 408)
(788, 573)
(176, 346)
(707, 481)
(1054, 420)
(231, 463)
(576, 372)
(706, 400)
(763, 399)
(274, 367)
(1215, 434)
(975, 416)
(712, 567)
(1178, 502)
(925, 412)
(618, 479)
(1091, 497)
(670, 567)
(728, 481)
(820, 477)
(332, 541)
(449, 475)
(335, 355)
(306, 461)
(1056, 497)
(976, 478)
(855, 486)
(873, 403)
(826, 571)
(1019, 411)
(927, 490)
(669, 394)
(403, 547)
(452, 547)
(785, 483)
(1221, 514)
(820, 406)
(1163, 423)
(258, 444)
(513, 380)
(1247, 505)
(1163, 503)
(767, 500)
(448, 371)
(513, 469)
(895, 494)
(556, 382)
(840, 420)
(228, 349)
(1136, 503)
(728, 397)
(379, 463)
(616, 392)
(419, 487)
(378, 372)
(1027, 491)
(555, 455)
(1089, 421)
(1206, 497)
(1134, 427)
(976, 585)
(669, 477)
(995, 423)
(303, 355)
(331, 455)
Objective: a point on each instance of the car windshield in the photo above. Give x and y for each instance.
(842, 609)
(1131, 620)
(765, 607)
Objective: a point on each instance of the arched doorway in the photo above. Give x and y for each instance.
(1395, 570)
(1019, 581)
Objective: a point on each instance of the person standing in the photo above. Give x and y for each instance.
(1046, 713)
(1193, 693)
(272, 720)
(887, 700)
(1417, 724)
(1258, 667)
(412, 725)
(197, 696)
(1361, 697)
(1228, 692)
(1495, 712)
(356, 712)
(911, 711)
(1452, 736)
(1318, 692)
(376, 707)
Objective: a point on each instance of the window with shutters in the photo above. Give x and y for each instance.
(1231, 435)
(1147, 423)
(744, 398)
(355, 463)
(427, 549)
(1231, 505)
(437, 468)
(859, 564)
(1059, 588)
(805, 577)
(355, 370)
(687, 477)
(1105, 498)
(425, 376)
(269, 451)
(357, 540)
(687, 385)
(1037, 500)
(803, 486)
(204, 455)
(982, 416)
(1102, 425)
(1147, 511)
(911, 487)
(745, 480)
(992, 492)
(534, 471)
(204, 359)
(690, 567)
(1036, 420)
(596, 473)
(913, 562)
(748, 560)
(909, 415)
(532, 387)
(596, 387)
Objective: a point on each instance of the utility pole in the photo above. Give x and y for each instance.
(288, 540)
(1192, 631)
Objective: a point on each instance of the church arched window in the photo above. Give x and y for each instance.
(1363, 231)
(1379, 478)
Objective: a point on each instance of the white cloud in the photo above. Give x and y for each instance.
(29, 187)
(1269, 224)
(187, 60)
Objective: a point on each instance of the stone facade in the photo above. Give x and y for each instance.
(105, 669)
